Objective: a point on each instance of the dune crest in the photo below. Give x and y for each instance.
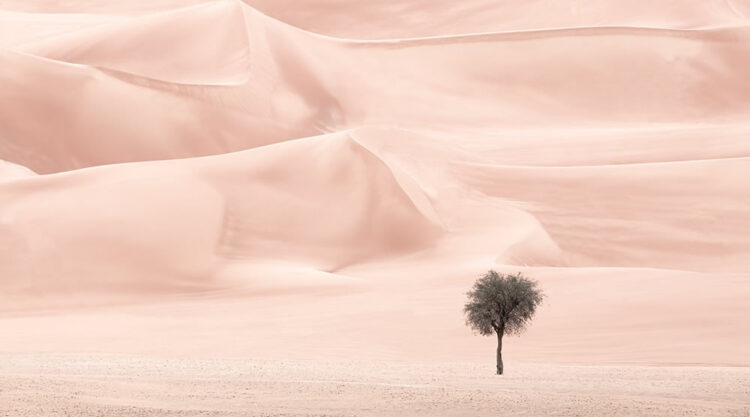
(249, 205)
(9, 171)
(204, 44)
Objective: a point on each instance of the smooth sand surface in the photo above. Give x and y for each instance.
(262, 182)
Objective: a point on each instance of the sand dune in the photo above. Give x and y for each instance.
(397, 19)
(652, 216)
(339, 172)
(272, 82)
(134, 122)
(122, 214)
(205, 44)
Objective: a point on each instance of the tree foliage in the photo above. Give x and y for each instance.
(502, 304)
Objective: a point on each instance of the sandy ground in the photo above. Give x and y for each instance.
(85, 385)
(301, 181)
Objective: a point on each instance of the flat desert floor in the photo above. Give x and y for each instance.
(96, 385)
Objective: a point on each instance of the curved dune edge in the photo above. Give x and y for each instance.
(290, 92)
(99, 46)
(139, 123)
(204, 44)
(350, 19)
(394, 19)
(10, 171)
(249, 207)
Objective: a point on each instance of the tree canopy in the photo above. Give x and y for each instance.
(502, 304)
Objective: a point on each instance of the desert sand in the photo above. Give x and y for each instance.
(275, 208)
(80, 385)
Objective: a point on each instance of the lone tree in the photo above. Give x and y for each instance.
(502, 304)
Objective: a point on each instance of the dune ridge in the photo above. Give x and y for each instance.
(226, 195)
(308, 100)
(393, 19)
(225, 58)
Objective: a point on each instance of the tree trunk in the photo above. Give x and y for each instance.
(500, 352)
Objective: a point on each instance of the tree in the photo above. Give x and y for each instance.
(502, 304)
